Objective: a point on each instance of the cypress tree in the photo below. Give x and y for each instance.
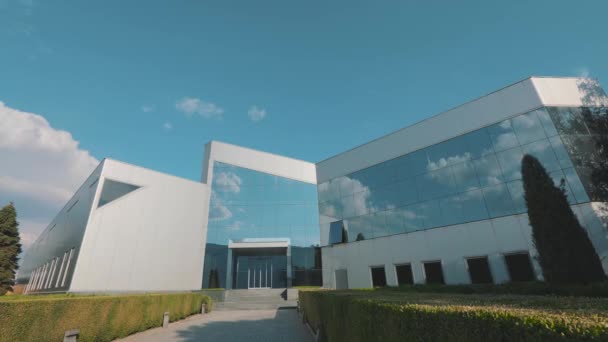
(10, 248)
(566, 254)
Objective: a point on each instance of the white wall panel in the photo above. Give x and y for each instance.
(569, 91)
(151, 239)
(256, 160)
(452, 245)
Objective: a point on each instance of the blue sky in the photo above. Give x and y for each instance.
(326, 76)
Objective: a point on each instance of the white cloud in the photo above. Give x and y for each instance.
(256, 114)
(229, 181)
(148, 108)
(41, 167)
(191, 106)
(167, 126)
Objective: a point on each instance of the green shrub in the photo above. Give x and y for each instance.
(408, 316)
(99, 318)
(528, 288)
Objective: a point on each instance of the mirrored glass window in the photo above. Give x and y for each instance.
(546, 121)
(576, 186)
(478, 143)
(488, 170)
(502, 135)
(516, 189)
(247, 204)
(528, 128)
(476, 175)
(411, 164)
(498, 200)
(430, 213)
(560, 152)
(465, 177)
(542, 151)
(359, 229)
(450, 152)
(510, 163)
(435, 183)
(568, 120)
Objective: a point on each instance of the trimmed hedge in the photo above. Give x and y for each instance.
(99, 318)
(381, 315)
(540, 288)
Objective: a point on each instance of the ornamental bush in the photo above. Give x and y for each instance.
(99, 318)
(381, 315)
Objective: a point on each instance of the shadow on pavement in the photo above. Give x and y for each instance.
(285, 326)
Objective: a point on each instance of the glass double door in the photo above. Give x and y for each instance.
(259, 273)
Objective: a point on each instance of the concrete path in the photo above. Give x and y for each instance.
(239, 325)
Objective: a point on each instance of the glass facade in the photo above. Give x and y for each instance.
(472, 177)
(247, 205)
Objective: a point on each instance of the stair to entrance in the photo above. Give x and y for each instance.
(255, 299)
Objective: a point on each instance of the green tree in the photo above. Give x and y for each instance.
(566, 254)
(10, 248)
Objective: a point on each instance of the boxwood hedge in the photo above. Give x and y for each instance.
(99, 318)
(525, 288)
(385, 315)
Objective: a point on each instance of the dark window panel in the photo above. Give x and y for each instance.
(519, 266)
(434, 272)
(378, 276)
(404, 274)
(479, 270)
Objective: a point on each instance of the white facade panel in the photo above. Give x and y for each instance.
(452, 245)
(151, 239)
(569, 91)
(256, 160)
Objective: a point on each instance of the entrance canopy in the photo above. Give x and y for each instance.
(259, 263)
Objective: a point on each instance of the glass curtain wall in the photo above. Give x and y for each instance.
(472, 177)
(248, 204)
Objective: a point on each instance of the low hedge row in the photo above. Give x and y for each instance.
(99, 318)
(382, 316)
(525, 288)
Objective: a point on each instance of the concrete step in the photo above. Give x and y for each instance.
(236, 295)
(230, 306)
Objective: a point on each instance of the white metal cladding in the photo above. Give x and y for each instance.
(258, 161)
(451, 245)
(512, 100)
(151, 239)
(62, 235)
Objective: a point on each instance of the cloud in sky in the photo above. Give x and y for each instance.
(168, 126)
(148, 108)
(41, 168)
(195, 106)
(256, 114)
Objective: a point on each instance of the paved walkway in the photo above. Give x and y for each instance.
(225, 326)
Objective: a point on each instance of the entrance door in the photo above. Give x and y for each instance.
(260, 273)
